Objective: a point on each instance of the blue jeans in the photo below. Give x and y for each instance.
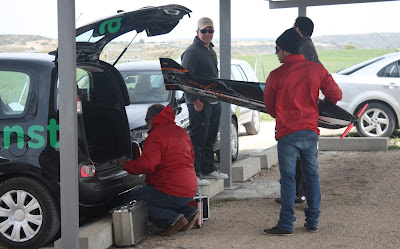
(162, 209)
(203, 131)
(305, 144)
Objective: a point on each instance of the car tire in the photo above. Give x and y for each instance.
(377, 121)
(234, 142)
(27, 205)
(253, 127)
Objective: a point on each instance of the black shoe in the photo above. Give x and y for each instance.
(300, 199)
(277, 232)
(310, 228)
(297, 200)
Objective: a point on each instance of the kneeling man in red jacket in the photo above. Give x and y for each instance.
(168, 161)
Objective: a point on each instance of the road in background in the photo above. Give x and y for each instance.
(250, 145)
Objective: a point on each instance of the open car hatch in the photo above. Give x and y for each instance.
(93, 37)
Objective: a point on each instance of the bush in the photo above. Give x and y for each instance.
(350, 46)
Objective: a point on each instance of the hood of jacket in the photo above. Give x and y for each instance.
(166, 116)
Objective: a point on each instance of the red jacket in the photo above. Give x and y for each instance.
(167, 158)
(291, 94)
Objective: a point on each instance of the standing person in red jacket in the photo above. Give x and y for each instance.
(291, 97)
(168, 162)
(304, 27)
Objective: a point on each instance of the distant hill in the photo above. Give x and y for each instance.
(365, 41)
(173, 49)
(26, 43)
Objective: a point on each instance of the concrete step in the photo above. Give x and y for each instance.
(216, 186)
(246, 168)
(353, 144)
(268, 157)
(94, 235)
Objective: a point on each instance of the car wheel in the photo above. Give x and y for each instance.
(253, 127)
(377, 121)
(234, 140)
(29, 214)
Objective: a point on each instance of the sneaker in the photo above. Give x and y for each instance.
(216, 175)
(191, 220)
(176, 227)
(202, 182)
(310, 228)
(278, 232)
(297, 200)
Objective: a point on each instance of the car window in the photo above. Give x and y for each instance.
(357, 67)
(14, 92)
(146, 87)
(83, 82)
(88, 37)
(391, 70)
(237, 73)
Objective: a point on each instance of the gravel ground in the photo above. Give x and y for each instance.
(359, 209)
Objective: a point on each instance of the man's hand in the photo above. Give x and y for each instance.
(122, 162)
(198, 105)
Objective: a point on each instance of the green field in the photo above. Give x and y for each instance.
(333, 60)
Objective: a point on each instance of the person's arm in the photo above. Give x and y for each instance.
(189, 61)
(269, 97)
(330, 88)
(148, 161)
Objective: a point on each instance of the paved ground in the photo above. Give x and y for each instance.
(359, 209)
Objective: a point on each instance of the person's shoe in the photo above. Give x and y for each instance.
(201, 181)
(297, 200)
(175, 228)
(278, 232)
(310, 228)
(191, 220)
(216, 175)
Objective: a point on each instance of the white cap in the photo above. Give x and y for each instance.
(205, 22)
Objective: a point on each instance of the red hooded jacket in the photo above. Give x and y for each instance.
(291, 94)
(167, 158)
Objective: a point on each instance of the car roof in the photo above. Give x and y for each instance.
(149, 65)
(27, 56)
(371, 65)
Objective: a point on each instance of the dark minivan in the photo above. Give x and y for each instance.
(29, 118)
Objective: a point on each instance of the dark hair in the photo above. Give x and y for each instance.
(153, 111)
(305, 25)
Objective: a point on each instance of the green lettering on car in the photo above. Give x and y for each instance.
(113, 25)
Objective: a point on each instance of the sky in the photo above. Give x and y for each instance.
(250, 18)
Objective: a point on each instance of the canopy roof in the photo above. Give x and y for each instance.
(279, 4)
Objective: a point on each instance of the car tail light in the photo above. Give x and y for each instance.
(78, 106)
(88, 171)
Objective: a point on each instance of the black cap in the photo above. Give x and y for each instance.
(289, 41)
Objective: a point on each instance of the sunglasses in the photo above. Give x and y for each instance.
(203, 31)
(277, 49)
